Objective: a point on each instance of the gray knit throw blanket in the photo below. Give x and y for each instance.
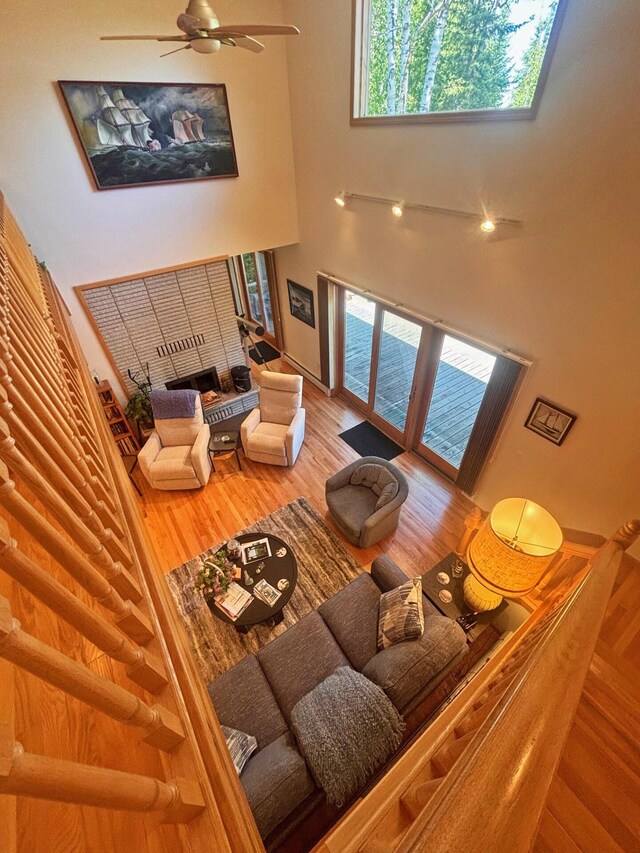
(346, 729)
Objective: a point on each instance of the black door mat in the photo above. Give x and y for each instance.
(265, 353)
(367, 440)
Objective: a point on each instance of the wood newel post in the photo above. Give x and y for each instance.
(141, 667)
(164, 729)
(627, 534)
(25, 774)
(130, 618)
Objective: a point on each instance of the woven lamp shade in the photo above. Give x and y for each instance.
(514, 546)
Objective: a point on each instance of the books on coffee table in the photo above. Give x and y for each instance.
(234, 601)
(265, 592)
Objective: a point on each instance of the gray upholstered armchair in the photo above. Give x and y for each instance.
(365, 499)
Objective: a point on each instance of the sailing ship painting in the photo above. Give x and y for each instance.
(147, 133)
(550, 421)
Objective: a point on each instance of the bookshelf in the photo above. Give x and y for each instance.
(125, 440)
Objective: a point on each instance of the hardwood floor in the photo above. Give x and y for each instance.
(593, 801)
(183, 524)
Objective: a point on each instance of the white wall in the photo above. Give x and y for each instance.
(85, 235)
(563, 291)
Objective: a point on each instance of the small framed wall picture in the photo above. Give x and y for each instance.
(550, 421)
(301, 303)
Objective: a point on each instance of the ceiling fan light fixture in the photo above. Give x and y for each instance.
(205, 45)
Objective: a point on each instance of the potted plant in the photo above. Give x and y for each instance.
(139, 410)
(216, 574)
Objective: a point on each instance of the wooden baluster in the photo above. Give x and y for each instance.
(67, 518)
(70, 446)
(92, 515)
(471, 525)
(132, 621)
(63, 426)
(89, 486)
(25, 774)
(164, 729)
(141, 667)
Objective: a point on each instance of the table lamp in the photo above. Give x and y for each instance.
(510, 552)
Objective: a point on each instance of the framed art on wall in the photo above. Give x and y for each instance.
(550, 421)
(301, 303)
(134, 134)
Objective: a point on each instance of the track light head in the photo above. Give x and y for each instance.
(398, 209)
(488, 226)
(341, 200)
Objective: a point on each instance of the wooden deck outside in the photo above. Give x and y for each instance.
(460, 384)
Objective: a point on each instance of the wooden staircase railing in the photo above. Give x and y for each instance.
(479, 775)
(77, 572)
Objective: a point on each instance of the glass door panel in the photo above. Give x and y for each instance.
(461, 381)
(251, 280)
(263, 282)
(359, 321)
(399, 344)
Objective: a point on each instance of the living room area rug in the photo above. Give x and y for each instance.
(324, 568)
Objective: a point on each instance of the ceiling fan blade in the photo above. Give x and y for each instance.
(249, 44)
(144, 38)
(188, 24)
(253, 30)
(184, 47)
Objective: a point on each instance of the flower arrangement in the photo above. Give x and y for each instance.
(215, 575)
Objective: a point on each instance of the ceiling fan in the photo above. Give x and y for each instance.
(202, 32)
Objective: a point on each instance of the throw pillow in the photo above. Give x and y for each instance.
(240, 745)
(400, 616)
(387, 494)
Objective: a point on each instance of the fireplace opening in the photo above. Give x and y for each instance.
(204, 380)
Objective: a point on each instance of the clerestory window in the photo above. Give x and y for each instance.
(451, 59)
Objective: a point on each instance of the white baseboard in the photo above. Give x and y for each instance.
(305, 372)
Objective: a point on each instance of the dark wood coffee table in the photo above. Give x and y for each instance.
(275, 569)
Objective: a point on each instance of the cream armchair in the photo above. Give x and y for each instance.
(274, 433)
(176, 455)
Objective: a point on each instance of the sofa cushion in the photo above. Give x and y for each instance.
(401, 617)
(298, 660)
(352, 617)
(276, 781)
(243, 700)
(240, 745)
(374, 477)
(405, 669)
(352, 505)
(269, 438)
(173, 463)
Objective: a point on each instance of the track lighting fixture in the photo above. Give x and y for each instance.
(486, 223)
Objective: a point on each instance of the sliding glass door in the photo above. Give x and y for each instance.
(397, 357)
(462, 373)
(422, 387)
(379, 357)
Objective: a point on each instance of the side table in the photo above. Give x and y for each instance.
(457, 607)
(224, 441)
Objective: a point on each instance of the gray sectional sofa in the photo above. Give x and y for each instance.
(258, 694)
